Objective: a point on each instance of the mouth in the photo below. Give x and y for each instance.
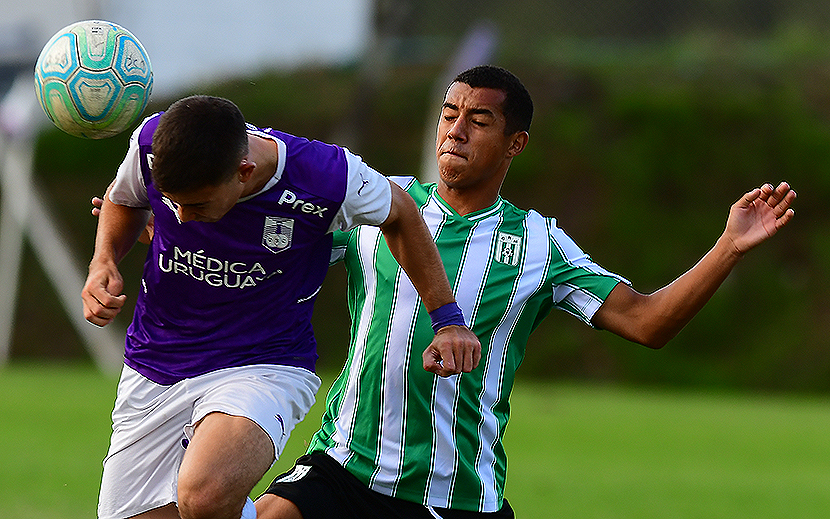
(454, 153)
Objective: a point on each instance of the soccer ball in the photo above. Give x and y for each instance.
(93, 79)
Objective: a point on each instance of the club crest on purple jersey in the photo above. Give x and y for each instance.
(277, 233)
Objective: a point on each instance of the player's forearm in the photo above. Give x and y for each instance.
(118, 229)
(670, 309)
(412, 246)
(655, 319)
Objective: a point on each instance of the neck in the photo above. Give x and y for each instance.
(262, 152)
(466, 201)
(475, 195)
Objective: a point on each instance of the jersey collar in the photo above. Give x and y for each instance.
(281, 153)
(474, 216)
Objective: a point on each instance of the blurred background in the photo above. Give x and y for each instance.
(652, 118)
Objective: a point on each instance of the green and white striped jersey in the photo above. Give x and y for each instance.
(411, 434)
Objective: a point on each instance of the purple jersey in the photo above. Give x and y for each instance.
(239, 291)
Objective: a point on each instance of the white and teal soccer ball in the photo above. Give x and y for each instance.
(93, 79)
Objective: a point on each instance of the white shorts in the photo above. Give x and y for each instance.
(153, 423)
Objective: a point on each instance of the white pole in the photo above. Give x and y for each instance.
(26, 214)
(11, 253)
(476, 49)
(14, 207)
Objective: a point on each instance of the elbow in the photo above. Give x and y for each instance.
(656, 337)
(654, 344)
(652, 338)
(637, 318)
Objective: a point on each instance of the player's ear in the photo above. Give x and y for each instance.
(517, 143)
(245, 170)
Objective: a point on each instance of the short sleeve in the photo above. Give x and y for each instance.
(338, 248)
(580, 285)
(368, 196)
(129, 188)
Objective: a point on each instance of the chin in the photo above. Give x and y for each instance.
(449, 182)
(448, 176)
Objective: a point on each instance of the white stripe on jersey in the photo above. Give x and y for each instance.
(468, 287)
(345, 423)
(389, 458)
(532, 273)
(393, 396)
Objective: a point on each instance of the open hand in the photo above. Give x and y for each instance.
(758, 215)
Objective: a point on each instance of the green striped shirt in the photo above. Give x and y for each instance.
(411, 434)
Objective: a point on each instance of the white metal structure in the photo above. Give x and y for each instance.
(25, 215)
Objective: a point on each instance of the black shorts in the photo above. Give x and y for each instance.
(321, 488)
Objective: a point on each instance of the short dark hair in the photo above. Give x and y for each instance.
(200, 141)
(517, 106)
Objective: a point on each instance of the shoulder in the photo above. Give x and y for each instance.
(532, 219)
(541, 232)
(311, 154)
(144, 132)
(312, 166)
(418, 191)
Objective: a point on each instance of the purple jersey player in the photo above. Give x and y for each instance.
(220, 354)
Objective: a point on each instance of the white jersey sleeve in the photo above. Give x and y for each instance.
(128, 188)
(368, 197)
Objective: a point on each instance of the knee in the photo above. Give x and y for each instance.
(208, 501)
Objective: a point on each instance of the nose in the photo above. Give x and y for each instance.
(457, 130)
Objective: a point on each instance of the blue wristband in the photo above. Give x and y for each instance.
(447, 315)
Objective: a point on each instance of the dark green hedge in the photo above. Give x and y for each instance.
(639, 161)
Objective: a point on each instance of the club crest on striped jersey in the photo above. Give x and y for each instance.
(508, 247)
(277, 233)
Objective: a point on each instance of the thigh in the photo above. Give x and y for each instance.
(225, 458)
(242, 420)
(276, 398)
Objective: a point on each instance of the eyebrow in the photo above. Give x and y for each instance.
(193, 204)
(474, 111)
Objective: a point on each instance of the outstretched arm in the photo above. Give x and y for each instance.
(455, 349)
(654, 319)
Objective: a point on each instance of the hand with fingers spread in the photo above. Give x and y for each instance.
(758, 215)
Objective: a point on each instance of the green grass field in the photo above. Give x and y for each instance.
(576, 451)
